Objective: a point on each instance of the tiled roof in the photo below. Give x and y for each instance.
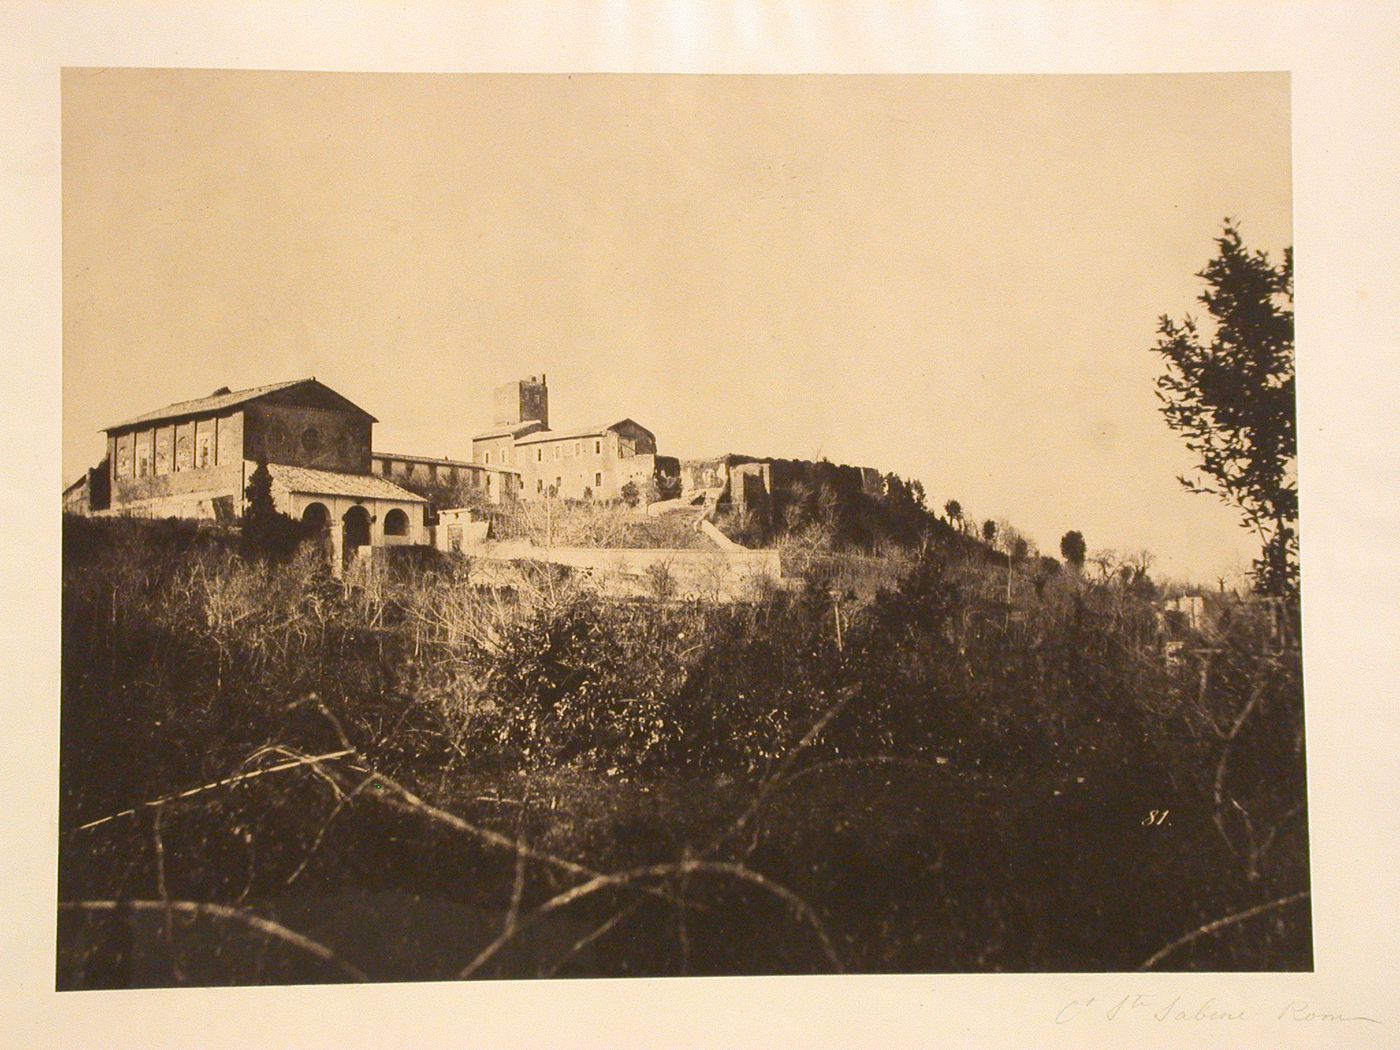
(440, 460)
(313, 482)
(508, 430)
(578, 432)
(212, 403)
(215, 402)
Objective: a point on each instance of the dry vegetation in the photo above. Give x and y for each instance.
(564, 523)
(272, 776)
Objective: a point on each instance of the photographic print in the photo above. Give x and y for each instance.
(547, 526)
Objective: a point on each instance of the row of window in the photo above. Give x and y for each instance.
(449, 472)
(561, 451)
(410, 468)
(148, 460)
(558, 485)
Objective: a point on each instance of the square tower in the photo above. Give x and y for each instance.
(521, 401)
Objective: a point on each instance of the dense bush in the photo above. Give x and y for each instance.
(943, 779)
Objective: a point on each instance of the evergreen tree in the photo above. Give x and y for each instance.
(267, 532)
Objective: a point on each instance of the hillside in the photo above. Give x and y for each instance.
(529, 781)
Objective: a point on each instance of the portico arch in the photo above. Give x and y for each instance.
(356, 524)
(316, 518)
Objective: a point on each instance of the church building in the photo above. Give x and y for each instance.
(193, 459)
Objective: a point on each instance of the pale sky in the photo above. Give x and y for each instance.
(954, 278)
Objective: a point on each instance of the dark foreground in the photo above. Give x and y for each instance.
(417, 778)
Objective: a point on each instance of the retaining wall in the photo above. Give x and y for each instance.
(718, 574)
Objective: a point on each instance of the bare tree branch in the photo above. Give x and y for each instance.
(800, 907)
(1220, 924)
(266, 927)
(303, 760)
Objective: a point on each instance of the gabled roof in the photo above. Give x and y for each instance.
(221, 400)
(579, 432)
(509, 430)
(312, 482)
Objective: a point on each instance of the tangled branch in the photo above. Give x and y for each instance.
(253, 921)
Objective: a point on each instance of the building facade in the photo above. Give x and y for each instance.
(495, 484)
(594, 462)
(192, 459)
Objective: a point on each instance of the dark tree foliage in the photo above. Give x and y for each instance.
(989, 530)
(952, 510)
(267, 532)
(1231, 396)
(1073, 549)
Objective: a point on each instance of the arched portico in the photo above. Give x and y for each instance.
(357, 529)
(316, 517)
(396, 523)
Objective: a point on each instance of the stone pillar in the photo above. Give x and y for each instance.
(337, 530)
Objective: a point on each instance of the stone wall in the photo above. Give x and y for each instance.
(595, 467)
(521, 400)
(721, 575)
(175, 468)
(306, 436)
(425, 476)
(763, 475)
(179, 490)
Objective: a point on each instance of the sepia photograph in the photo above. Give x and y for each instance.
(550, 526)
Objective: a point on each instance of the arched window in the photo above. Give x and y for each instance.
(396, 523)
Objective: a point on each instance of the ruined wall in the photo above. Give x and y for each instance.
(750, 487)
(699, 474)
(721, 575)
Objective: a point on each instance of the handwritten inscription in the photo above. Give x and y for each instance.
(1156, 818)
(1163, 1009)
(1301, 1010)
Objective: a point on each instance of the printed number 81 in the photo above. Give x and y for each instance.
(1155, 817)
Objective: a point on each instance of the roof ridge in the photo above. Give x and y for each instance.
(214, 402)
(365, 482)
